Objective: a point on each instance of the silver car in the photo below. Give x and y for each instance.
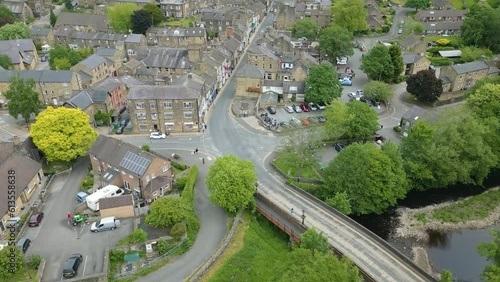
(312, 106)
(289, 109)
(297, 108)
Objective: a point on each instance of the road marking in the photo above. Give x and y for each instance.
(209, 158)
(84, 266)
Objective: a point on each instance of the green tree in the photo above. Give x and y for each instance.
(62, 64)
(155, 12)
(53, 18)
(6, 16)
(494, 3)
(138, 236)
(480, 83)
(11, 262)
(322, 84)
(491, 251)
(61, 55)
(305, 27)
(481, 27)
(340, 202)
(485, 101)
(298, 150)
(378, 90)
(178, 230)
(63, 134)
(350, 121)
(397, 61)
(5, 61)
(418, 4)
(68, 5)
(377, 64)
(471, 53)
(302, 266)
(446, 276)
(231, 182)
(350, 14)
(23, 99)
(120, 16)
(425, 86)
(167, 211)
(141, 20)
(315, 241)
(368, 176)
(146, 148)
(336, 41)
(16, 30)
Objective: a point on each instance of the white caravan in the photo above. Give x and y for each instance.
(106, 192)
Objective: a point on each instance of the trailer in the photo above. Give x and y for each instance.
(106, 192)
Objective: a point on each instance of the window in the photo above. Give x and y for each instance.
(45, 92)
(147, 178)
(188, 114)
(139, 106)
(167, 105)
(263, 59)
(169, 126)
(269, 76)
(164, 168)
(263, 66)
(65, 84)
(169, 115)
(143, 127)
(152, 106)
(154, 116)
(188, 125)
(460, 77)
(270, 66)
(258, 85)
(66, 92)
(188, 105)
(141, 116)
(42, 84)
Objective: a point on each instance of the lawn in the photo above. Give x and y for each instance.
(454, 40)
(308, 172)
(458, 5)
(264, 245)
(187, 22)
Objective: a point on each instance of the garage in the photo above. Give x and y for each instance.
(119, 207)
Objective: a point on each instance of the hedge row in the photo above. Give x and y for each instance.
(188, 194)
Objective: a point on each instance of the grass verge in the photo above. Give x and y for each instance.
(307, 172)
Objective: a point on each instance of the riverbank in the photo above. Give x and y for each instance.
(474, 212)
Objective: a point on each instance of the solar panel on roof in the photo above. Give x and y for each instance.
(135, 163)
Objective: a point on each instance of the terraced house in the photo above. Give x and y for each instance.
(265, 59)
(94, 69)
(178, 36)
(22, 53)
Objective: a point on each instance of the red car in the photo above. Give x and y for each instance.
(304, 107)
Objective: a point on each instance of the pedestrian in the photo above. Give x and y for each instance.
(291, 210)
(203, 160)
(69, 215)
(206, 127)
(196, 150)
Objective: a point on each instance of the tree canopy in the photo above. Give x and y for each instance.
(491, 251)
(52, 18)
(63, 134)
(141, 20)
(340, 201)
(6, 16)
(155, 12)
(120, 16)
(63, 58)
(418, 4)
(13, 31)
(481, 27)
(10, 264)
(305, 27)
(231, 182)
(354, 120)
(425, 86)
(322, 84)
(167, 211)
(372, 180)
(22, 98)
(350, 14)
(485, 101)
(377, 64)
(396, 61)
(336, 41)
(378, 90)
(5, 61)
(315, 241)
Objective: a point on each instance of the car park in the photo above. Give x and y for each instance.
(271, 110)
(321, 119)
(289, 109)
(321, 105)
(312, 106)
(295, 121)
(342, 61)
(346, 82)
(297, 108)
(81, 196)
(360, 92)
(120, 129)
(23, 244)
(157, 135)
(72, 264)
(339, 147)
(36, 219)
(304, 107)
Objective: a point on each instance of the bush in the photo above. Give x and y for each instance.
(103, 118)
(443, 42)
(30, 20)
(34, 261)
(435, 50)
(440, 61)
(146, 148)
(180, 183)
(178, 230)
(192, 222)
(163, 247)
(116, 256)
(137, 236)
(397, 128)
(179, 166)
(87, 182)
(400, 79)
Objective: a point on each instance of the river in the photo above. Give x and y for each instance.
(456, 250)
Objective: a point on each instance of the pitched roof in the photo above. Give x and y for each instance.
(249, 71)
(157, 183)
(180, 31)
(40, 31)
(410, 58)
(25, 45)
(98, 22)
(294, 87)
(6, 149)
(166, 92)
(40, 76)
(441, 26)
(106, 52)
(410, 40)
(469, 67)
(93, 61)
(116, 202)
(262, 50)
(172, 58)
(82, 100)
(439, 14)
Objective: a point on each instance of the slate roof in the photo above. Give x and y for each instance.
(275, 83)
(470, 67)
(433, 26)
(45, 76)
(232, 44)
(249, 71)
(181, 32)
(172, 58)
(157, 183)
(40, 31)
(84, 76)
(109, 84)
(14, 6)
(82, 100)
(94, 60)
(167, 92)
(410, 58)
(262, 50)
(24, 45)
(119, 154)
(106, 52)
(410, 40)
(422, 14)
(301, 86)
(116, 202)
(98, 22)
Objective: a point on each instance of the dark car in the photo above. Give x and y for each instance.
(36, 219)
(124, 122)
(24, 244)
(375, 102)
(120, 129)
(365, 100)
(71, 265)
(271, 110)
(339, 147)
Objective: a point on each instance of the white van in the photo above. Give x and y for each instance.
(106, 192)
(105, 223)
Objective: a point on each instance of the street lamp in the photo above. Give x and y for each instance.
(303, 216)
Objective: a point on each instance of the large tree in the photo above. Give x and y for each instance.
(340, 201)
(377, 64)
(120, 16)
(397, 61)
(11, 262)
(368, 176)
(485, 101)
(305, 27)
(425, 86)
(22, 98)
(167, 211)
(6, 16)
(141, 21)
(63, 134)
(231, 182)
(491, 251)
(350, 14)
(378, 90)
(336, 41)
(481, 27)
(418, 4)
(5, 61)
(16, 30)
(322, 84)
(354, 120)
(155, 11)
(315, 241)
(52, 18)
(60, 56)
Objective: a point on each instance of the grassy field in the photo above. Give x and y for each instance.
(308, 172)
(458, 5)
(257, 246)
(454, 40)
(187, 22)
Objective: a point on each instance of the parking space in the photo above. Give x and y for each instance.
(283, 116)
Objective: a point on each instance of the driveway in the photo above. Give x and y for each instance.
(55, 240)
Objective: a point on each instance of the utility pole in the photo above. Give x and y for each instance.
(303, 216)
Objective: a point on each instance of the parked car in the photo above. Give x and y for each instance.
(81, 196)
(36, 219)
(312, 106)
(120, 129)
(339, 147)
(23, 244)
(304, 107)
(271, 110)
(289, 109)
(321, 119)
(346, 82)
(351, 95)
(157, 135)
(365, 100)
(360, 92)
(321, 105)
(375, 102)
(342, 61)
(297, 108)
(124, 122)
(44, 58)
(71, 265)
(400, 31)
(294, 121)
(343, 76)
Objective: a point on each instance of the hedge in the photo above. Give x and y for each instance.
(192, 222)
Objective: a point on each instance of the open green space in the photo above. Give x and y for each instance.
(307, 171)
(264, 245)
(458, 4)
(187, 22)
(454, 40)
